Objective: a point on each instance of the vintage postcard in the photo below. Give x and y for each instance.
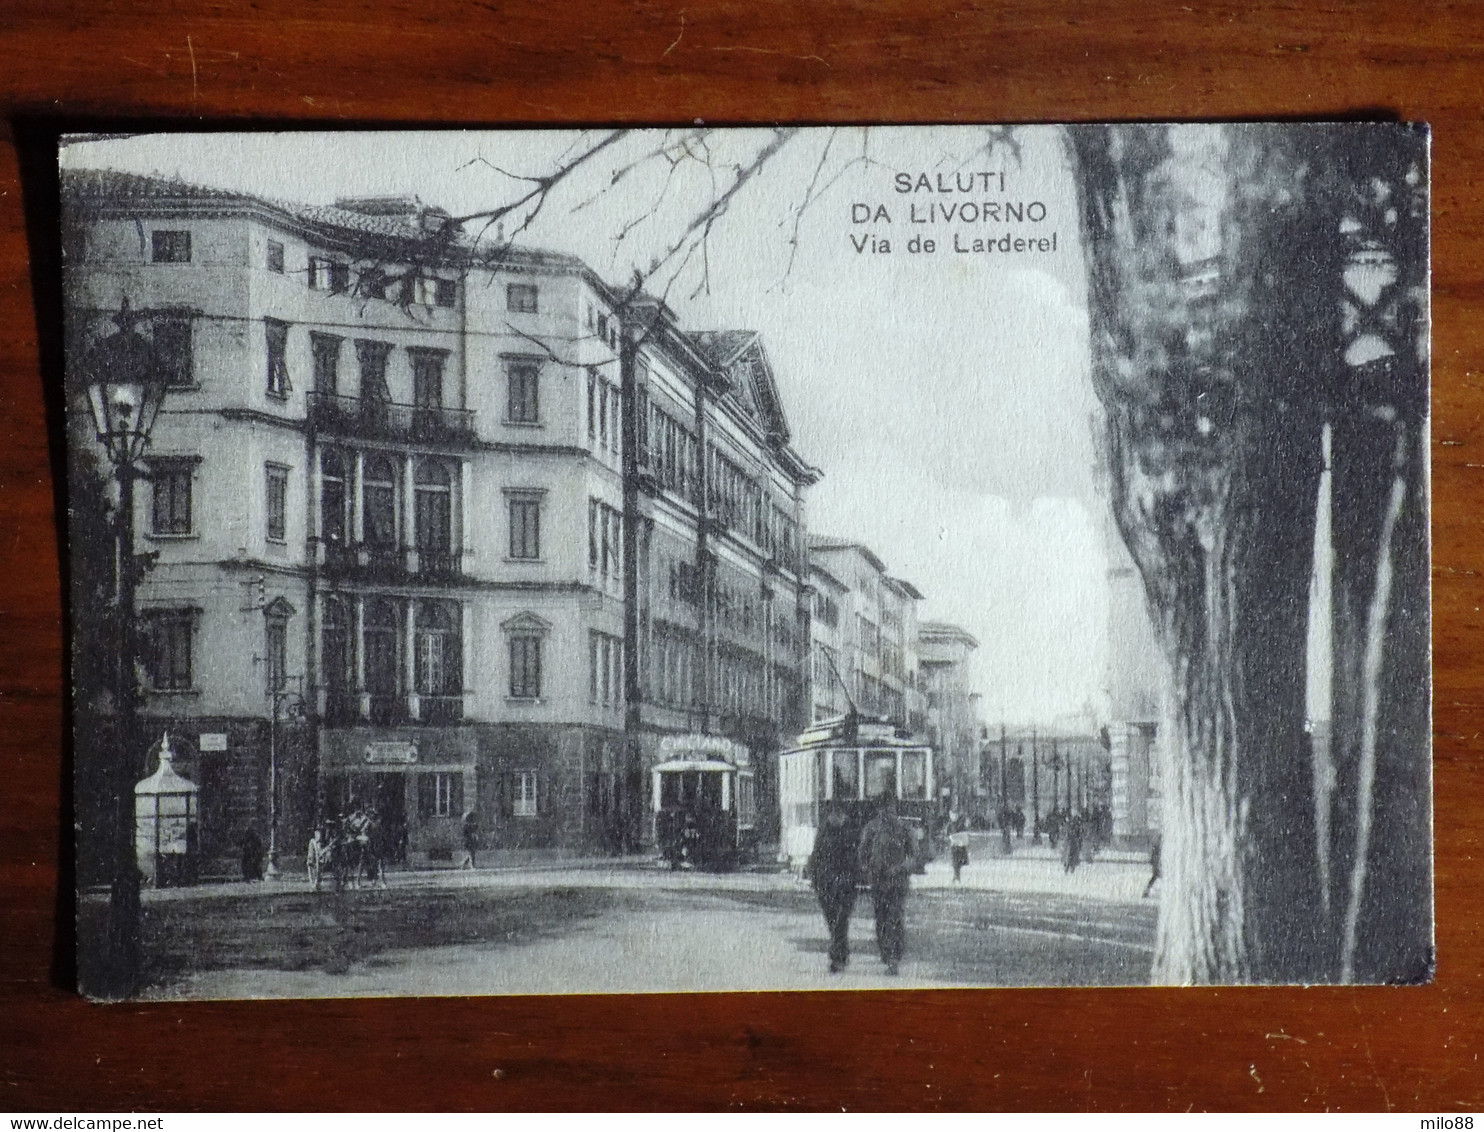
(697, 559)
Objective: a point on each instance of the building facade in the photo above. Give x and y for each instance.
(864, 636)
(418, 514)
(945, 653)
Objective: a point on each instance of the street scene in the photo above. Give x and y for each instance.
(601, 561)
(591, 927)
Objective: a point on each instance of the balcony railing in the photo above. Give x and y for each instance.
(344, 708)
(440, 710)
(369, 562)
(376, 419)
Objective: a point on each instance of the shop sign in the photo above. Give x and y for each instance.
(400, 753)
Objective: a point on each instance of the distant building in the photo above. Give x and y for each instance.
(945, 655)
(1137, 684)
(483, 528)
(863, 628)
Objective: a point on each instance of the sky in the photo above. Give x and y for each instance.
(944, 394)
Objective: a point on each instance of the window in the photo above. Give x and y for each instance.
(172, 498)
(605, 670)
(521, 298)
(523, 405)
(170, 247)
(604, 539)
(372, 356)
(170, 654)
(525, 526)
(275, 256)
(433, 484)
(278, 495)
(438, 658)
(173, 349)
(433, 292)
(334, 498)
(525, 666)
(427, 378)
(328, 275)
(379, 502)
(592, 406)
(278, 366)
(380, 640)
(440, 794)
(336, 658)
(277, 636)
(525, 794)
(326, 348)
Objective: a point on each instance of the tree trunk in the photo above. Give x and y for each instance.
(1209, 341)
(1381, 904)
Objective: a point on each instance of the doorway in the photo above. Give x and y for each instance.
(389, 797)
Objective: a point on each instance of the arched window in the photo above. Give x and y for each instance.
(382, 634)
(439, 668)
(334, 497)
(337, 659)
(433, 485)
(379, 490)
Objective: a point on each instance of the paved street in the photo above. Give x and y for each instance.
(636, 928)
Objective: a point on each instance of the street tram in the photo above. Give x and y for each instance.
(705, 802)
(855, 760)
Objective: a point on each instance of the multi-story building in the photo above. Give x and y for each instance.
(719, 602)
(864, 630)
(945, 654)
(400, 561)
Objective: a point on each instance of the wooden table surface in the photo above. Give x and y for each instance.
(70, 64)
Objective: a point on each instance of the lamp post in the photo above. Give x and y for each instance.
(293, 699)
(125, 386)
(1035, 791)
(1004, 797)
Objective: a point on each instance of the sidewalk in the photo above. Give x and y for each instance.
(1111, 875)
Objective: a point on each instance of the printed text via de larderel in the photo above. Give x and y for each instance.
(958, 213)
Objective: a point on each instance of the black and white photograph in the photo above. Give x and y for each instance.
(594, 561)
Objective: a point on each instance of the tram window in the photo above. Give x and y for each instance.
(881, 774)
(672, 788)
(746, 800)
(847, 776)
(914, 774)
(711, 789)
(821, 774)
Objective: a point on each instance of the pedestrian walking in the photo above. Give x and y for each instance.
(887, 858)
(833, 870)
(314, 859)
(1072, 855)
(1153, 865)
(471, 841)
(252, 855)
(958, 844)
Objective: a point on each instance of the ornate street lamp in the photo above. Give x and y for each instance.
(125, 387)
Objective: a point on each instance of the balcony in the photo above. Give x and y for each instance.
(390, 565)
(345, 708)
(374, 419)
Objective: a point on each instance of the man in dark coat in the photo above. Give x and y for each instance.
(887, 856)
(832, 872)
(252, 855)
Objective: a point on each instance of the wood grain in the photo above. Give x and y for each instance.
(75, 64)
